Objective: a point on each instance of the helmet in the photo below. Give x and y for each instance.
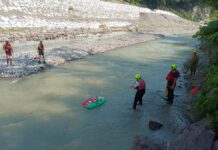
(174, 66)
(194, 51)
(137, 76)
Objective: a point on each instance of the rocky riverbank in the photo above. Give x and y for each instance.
(96, 23)
(25, 63)
(196, 135)
(85, 42)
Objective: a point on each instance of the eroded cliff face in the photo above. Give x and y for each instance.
(68, 13)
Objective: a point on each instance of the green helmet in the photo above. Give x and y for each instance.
(194, 51)
(174, 66)
(137, 76)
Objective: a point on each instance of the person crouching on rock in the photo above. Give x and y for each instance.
(171, 78)
(140, 86)
(8, 51)
(41, 52)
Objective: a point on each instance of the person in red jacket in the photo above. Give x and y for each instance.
(171, 78)
(8, 51)
(140, 86)
(41, 49)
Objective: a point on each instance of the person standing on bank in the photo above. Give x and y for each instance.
(194, 62)
(8, 52)
(140, 86)
(41, 52)
(171, 78)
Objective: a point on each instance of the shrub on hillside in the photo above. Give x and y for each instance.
(213, 55)
(136, 2)
(209, 35)
(214, 15)
(209, 32)
(207, 100)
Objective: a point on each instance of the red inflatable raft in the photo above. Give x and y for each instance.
(196, 90)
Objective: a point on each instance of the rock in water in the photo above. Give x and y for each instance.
(42, 67)
(193, 138)
(154, 125)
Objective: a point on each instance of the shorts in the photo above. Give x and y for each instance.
(41, 53)
(9, 56)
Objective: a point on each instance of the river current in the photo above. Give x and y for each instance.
(44, 111)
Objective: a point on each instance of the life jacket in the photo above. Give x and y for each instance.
(194, 58)
(7, 48)
(141, 84)
(40, 47)
(170, 76)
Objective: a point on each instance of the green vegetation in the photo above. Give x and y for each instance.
(209, 33)
(212, 3)
(153, 4)
(214, 15)
(135, 2)
(183, 8)
(207, 101)
(184, 14)
(11, 30)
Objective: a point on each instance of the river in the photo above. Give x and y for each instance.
(44, 111)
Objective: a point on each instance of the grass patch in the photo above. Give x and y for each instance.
(11, 30)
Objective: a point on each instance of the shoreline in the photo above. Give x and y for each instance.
(196, 133)
(24, 63)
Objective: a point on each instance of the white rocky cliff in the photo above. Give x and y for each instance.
(68, 13)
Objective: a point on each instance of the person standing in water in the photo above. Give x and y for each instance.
(194, 62)
(41, 49)
(140, 86)
(8, 52)
(171, 78)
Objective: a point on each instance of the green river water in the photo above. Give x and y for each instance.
(44, 111)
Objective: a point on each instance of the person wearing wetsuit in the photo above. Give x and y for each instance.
(41, 52)
(194, 62)
(171, 78)
(140, 86)
(8, 52)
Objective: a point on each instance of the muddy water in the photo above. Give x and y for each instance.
(44, 111)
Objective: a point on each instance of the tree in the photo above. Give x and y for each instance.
(212, 3)
(136, 2)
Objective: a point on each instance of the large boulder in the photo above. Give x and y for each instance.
(215, 145)
(193, 138)
(154, 125)
(145, 143)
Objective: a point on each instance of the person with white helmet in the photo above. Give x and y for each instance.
(140, 86)
(8, 51)
(171, 78)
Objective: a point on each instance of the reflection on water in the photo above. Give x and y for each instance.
(44, 111)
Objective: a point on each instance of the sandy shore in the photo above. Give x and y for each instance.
(24, 63)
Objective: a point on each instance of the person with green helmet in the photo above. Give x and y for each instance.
(171, 78)
(140, 86)
(194, 62)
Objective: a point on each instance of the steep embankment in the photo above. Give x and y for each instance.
(50, 19)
